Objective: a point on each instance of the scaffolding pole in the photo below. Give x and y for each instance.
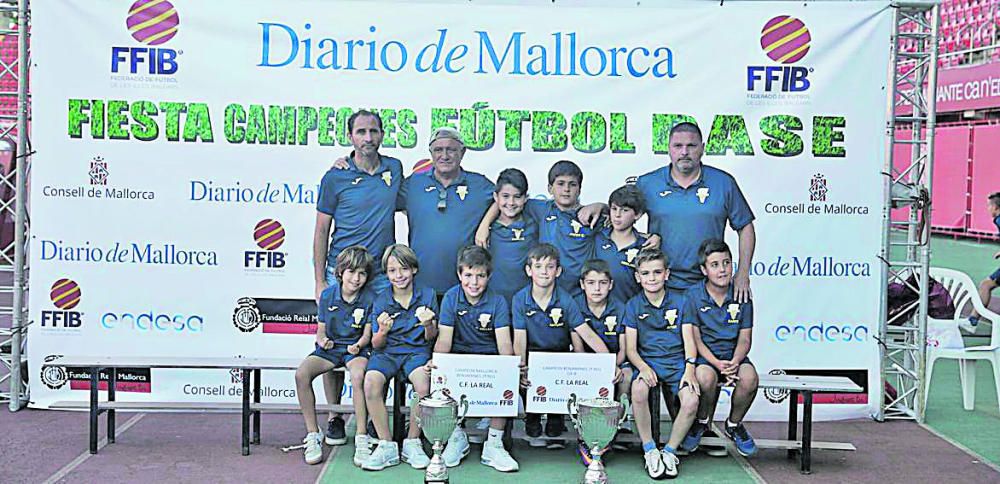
(906, 240)
(14, 137)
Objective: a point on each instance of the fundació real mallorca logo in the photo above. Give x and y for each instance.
(152, 23)
(785, 40)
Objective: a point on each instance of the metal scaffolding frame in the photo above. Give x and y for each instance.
(906, 242)
(13, 269)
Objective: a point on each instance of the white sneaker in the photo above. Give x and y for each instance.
(483, 426)
(670, 462)
(456, 449)
(497, 457)
(413, 453)
(314, 447)
(385, 455)
(362, 449)
(654, 464)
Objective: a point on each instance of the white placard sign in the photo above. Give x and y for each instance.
(554, 376)
(488, 382)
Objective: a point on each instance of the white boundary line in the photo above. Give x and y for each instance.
(961, 447)
(80, 459)
(742, 461)
(329, 458)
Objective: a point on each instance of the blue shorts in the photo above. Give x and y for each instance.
(718, 375)
(996, 276)
(668, 371)
(378, 283)
(338, 355)
(391, 364)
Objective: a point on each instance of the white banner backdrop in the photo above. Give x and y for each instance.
(164, 143)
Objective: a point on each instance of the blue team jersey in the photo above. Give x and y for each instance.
(720, 325)
(509, 246)
(996, 221)
(609, 325)
(659, 327)
(406, 334)
(685, 217)
(621, 261)
(345, 321)
(574, 240)
(362, 206)
(548, 328)
(442, 220)
(474, 325)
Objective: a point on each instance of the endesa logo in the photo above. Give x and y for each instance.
(268, 234)
(821, 333)
(65, 295)
(785, 40)
(154, 322)
(153, 23)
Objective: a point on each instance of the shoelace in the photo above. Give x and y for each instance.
(303, 445)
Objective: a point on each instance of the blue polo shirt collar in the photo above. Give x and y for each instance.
(639, 239)
(704, 298)
(464, 301)
(354, 167)
(700, 182)
(460, 180)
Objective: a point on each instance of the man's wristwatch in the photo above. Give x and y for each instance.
(691, 361)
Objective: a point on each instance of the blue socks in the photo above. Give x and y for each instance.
(648, 446)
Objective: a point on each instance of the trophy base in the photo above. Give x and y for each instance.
(595, 473)
(437, 471)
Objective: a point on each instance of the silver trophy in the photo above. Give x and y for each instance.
(597, 421)
(437, 416)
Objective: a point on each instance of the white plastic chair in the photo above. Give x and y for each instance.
(964, 292)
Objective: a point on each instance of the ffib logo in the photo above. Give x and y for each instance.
(65, 295)
(785, 40)
(152, 22)
(269, 235)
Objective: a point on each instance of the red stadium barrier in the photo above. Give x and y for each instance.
(950, 180)
(985, 177)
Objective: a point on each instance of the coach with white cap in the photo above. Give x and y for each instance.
(444, 206)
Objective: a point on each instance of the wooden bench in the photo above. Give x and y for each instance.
(250, 407)
(796, 385)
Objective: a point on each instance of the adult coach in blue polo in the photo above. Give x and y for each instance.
(689, 202)
(443, 208)
(360, 199)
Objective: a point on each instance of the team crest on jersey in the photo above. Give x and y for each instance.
(484, 320)
(702, 194)
(611, 322)
(630, 256)
(734, 312)
(387, 178)
(518, 235)
(358, 315)
(556, 314)
(671, 318)
(577, 227)
(462, 191)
